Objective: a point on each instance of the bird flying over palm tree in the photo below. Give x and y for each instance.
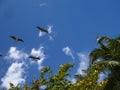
(16, 38)
(42, 29)
(34, 57)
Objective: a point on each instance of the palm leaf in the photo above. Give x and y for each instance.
(97, 53)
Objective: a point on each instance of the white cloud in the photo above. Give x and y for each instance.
(43, 4)
(50, 32)
(40, 53)
(51, 38)
(16, 54)
(50, 29)
(84, 63)
(13, 75)
(68, 51)
(41, 34)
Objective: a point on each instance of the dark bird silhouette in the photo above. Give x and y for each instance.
(42, 29)
(34, 57)
(1, 55)
(16, 38)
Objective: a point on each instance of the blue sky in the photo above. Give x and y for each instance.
(73, 27)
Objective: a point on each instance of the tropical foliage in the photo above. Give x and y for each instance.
(108, 54)
(104, 58)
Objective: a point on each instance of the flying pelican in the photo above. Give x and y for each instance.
(16, 38)
(34, 57)
(42, 29)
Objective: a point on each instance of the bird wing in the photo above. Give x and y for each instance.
(13, 37)
(30, 56)
(42, 29)
(37, 58)
(33, 57)
(20, 40)
(38, 28)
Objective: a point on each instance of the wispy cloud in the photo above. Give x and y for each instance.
(13, 75)
(15, 54)
(43, 4)
(41, 34)
(68, 51)
(51, 36)
(50, 29)
(84, 63)
(40, 53)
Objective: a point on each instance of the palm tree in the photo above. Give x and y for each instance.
(108, 54)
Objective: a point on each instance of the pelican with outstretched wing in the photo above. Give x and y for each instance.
(16, 39)
(34, 57)
(42, 29)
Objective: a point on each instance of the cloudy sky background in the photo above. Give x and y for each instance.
(72, 25)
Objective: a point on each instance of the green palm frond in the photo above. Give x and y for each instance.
(97, 53)
(109, 54)
(100, 39)
(109, 64)
(113, 63)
